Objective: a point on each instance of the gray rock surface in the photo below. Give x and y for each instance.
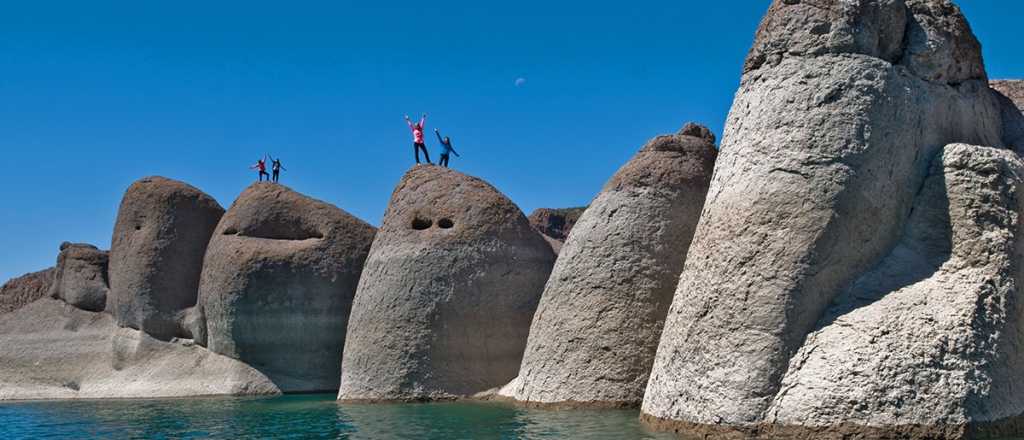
(827, 144)
(1011, 97)
(445, 302)
(50, 350)
(277, 285)
(932, 336)
(80, 278)
(17, 292)
(156, 254)
(595, 332)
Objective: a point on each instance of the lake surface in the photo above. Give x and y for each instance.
(308, 416)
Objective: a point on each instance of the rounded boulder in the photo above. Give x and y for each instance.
(450, 287)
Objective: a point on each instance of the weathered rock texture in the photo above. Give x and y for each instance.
(156, 255)
(932, 336)
(17, 292)
(1013, 89)
(445, 302)
(841, 109)
(80, 278)
(1011, 95)
(50, 350)
(596, 330)
(278, 282)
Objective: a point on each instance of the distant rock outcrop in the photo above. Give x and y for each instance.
(555, 224)
(54, 351)
(841, 110)
(445, 302)
(17, 292)
(80, 278)
(1011, 95)
(156, 254)
(277, 285)
(1013, 89)
(596, 330)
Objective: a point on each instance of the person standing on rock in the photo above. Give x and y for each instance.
(446, 148)
(417, 137)
(261, 166)
(276, 167)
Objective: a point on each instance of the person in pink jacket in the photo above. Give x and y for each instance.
(417, 137)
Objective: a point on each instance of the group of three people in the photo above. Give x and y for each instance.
(418, 144)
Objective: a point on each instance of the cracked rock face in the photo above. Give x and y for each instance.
(595, 332)
(445, 302)
(156, 254)
(277, 286)
(80, 278)
(827, 144)
(20, 291)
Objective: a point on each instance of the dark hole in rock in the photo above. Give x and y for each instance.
(230, 231)
(138, 227)
(420, 224)
(445, 223)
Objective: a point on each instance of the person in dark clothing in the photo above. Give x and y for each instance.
(446, 148)
(261, 166)
(417, 137)
(276, 167)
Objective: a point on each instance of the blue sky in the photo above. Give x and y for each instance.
(94, 95)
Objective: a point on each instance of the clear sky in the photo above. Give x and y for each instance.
(94, 95)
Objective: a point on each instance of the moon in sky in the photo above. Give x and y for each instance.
(520, 81)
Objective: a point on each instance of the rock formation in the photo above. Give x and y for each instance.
(17, 292)
(445, 302)
(277, 285)
(1013, 89)
(80, 278)
(595, 332)
(54, 351)
(555, 224)
(156, 255)
(931, 340)
(1011, 96)
(842, 108)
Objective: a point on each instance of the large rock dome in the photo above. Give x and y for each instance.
(277, 285)
(445, 302)
(596, 330)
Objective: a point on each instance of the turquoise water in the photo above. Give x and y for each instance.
(307, 416)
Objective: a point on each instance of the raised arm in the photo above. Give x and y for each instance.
(439, 138)
(423, 121)
(408, 121)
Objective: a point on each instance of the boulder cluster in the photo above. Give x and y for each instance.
(844, 265)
